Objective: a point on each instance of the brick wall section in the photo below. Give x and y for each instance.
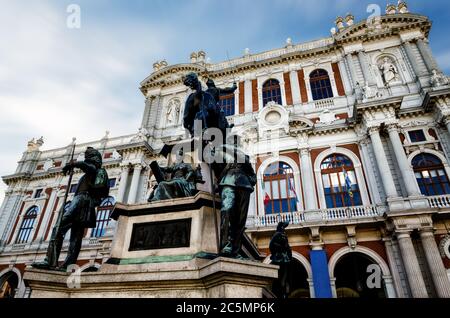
(301, 80)
(338, 79)
(255, 95)
(288, 89)
(241, 98)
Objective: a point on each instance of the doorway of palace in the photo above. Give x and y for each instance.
(9, 283)
(298, 282)
(352, 274)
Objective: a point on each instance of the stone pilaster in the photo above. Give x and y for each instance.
(135, 183)
(351, 68)
(412, 58)
(396, 280)
(434, 260)
(405, 168)
(295, 87)
(428, 58)
(123, 183)
(413, 271)
(309, 191)
(383, 166)
(346, 78)
(365, 69)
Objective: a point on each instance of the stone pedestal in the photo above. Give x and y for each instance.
(218, 278)
(165, 249)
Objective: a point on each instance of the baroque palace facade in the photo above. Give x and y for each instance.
(350, 140)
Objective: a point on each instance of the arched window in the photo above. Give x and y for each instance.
(280, 195)
(226, 104)
(27, 225)
(339, 182)
(271, 92)
(430, 175)
(103, 217)
(320, 85)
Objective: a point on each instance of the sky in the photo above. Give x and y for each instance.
(60, 82)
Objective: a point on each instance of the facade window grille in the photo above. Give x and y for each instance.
(227, 104)
(103, 217)
(271, 92)
(320, 85)
(417, 136)
(27, 225)
(339, 182)
(280, 194)
(430, 175)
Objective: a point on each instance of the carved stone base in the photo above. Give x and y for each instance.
(218, 278)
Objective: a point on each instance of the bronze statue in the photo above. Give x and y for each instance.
(181, 183)
(79, 215)
(217, 92)
(281, 255)
(237, 180)
(202, 106)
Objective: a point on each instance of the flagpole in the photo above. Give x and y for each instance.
(54, 261)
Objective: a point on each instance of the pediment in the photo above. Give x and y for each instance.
(300, 123)
(171, 75)
(390, 24)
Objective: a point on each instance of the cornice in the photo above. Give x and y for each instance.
(410, 22)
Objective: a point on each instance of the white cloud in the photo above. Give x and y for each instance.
(59, 83)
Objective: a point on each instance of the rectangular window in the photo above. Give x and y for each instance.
(73, 188)
(226, 104)
(417, 135)
(38, 193)
(112, 182)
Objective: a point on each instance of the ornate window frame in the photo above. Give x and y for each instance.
(357, 165)
(260, 175)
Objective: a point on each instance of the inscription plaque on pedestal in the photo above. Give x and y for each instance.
(161, 235)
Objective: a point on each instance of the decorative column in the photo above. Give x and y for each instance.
(388, 283)
(412, 58)
(424, 49)
(405, 168)
(434, 260)
(135, 184)
(346, 78)
(383, 166)
(295, 87)
(309, 192)
(351, 67)
(413, 271)
(447, 123)
(365, 69)
(123, 183)
(393, 266)
(248, 101)
(369, 171)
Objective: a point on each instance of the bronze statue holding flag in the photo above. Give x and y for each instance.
(79, 215)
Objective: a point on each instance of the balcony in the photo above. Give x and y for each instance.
(299, 218)
(440, 202)
(324, 104)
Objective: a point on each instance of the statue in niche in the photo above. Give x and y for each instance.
(173, 112)
(389, 72)
(281, 255)
(181, 182)
(438, 79)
